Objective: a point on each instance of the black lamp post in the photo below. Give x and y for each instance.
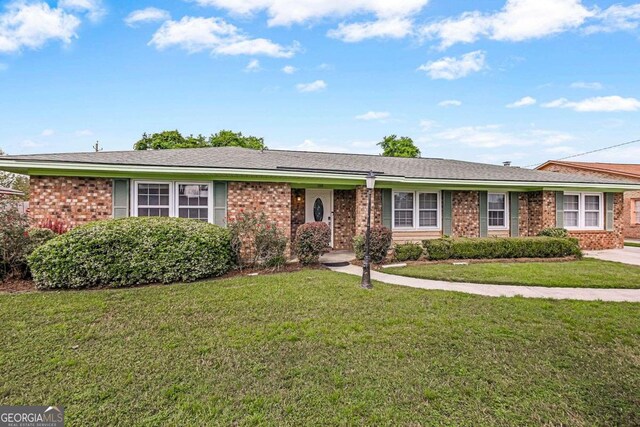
(366, 265)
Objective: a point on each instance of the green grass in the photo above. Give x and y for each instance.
(312, 348)
(586, 273)
(632, 244)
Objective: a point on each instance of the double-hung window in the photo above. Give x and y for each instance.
(173, 199)
(497, 210)
(416, 210)
(153, 199)
(636, 211)
(583, 211)
(193, 201)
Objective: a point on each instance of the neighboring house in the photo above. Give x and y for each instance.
(626, 172)
(417, 198)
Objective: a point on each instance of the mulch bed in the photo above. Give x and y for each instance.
(17, 286)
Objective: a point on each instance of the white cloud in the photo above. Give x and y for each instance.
(287, 12)
(427, 125)
(195, 34)
(395, 28)
(326, 67)
(522, 102)
(93, 8)
(149, 14)
(450, 68)
(586, 85)
(83, 132)
(252, 66)
(32, 25)
(494, 136)
(289, 69)
(47, 132)
(374, 115)
(616, 18)
(450, 103)
(597, 104)
(517, 21)
(315, 86)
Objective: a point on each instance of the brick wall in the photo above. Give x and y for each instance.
(71, 200)
(361, 209)
(297, 210)
(465, 214)
(344, 219)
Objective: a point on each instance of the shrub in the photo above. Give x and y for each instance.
(494, 247)
(408, 251)
(256, 241)
(554, 232)
(55, 225)
(312, 241)
(132, 251)
(380, 243)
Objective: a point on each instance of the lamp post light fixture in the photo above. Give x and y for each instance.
(366, 265)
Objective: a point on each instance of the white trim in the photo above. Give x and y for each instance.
(209, 185)
(582, 211)
(134, 199)
(416, 210)
(173, 196)
(507, 212)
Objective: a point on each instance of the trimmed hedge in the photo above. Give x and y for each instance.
(554, 232)
(312, 241)
(495, 247)
(381, 239)
(132, 251)
(408, 251)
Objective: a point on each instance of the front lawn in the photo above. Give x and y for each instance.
(312, 348)
(585, 273)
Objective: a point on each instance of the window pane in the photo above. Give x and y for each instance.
(496, 201)
(403, 200)
(496, 218)
(592, 203)
(403, 218)
(571, 219)
(591, 219)
(571, 202)
(193, 201)
(428, 201)
(153, 199)
(428, 219)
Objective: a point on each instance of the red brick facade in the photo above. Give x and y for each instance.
(344, 219)
(297, 210)
(71, 200)
(361, 201)
(465, 214)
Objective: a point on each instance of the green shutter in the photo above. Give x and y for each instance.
(220, 203)
(484, 228)
(120, 198)
(446, 213)
(560, 209)
(609, 211)
(386, 207)
(514, 213)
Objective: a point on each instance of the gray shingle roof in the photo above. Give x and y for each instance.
(240, 158)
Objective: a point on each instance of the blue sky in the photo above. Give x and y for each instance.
(520, 80)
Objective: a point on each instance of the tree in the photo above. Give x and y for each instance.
(392, 146)
(173, 139)
(15, 181)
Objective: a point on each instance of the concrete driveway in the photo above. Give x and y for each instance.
(628, 255)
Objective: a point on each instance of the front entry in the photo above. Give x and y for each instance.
(319, 207)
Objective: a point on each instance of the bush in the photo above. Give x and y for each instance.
(55, 225)
(554, 232)
(256, 241)
(408, 251)
(312, 241)
(381, 239)
(132, 251)
(495, 247)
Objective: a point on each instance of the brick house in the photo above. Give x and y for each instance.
(626, 172)
(416, 198)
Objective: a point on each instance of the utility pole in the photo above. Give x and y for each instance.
(96, 146)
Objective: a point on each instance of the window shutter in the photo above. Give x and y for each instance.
(484, 228)
(559, 209)
(120, 198)
(220, 203)
(514, 213)
(609, 211)
(386, 207)
(447, 228)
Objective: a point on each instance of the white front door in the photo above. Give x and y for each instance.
(319, 207)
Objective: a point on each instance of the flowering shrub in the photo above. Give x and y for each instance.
(312, 241)
(256, 241)
(55, 225)
(380, 243)
(132, 251)
(554, 232)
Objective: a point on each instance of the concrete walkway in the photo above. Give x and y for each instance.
(585, 294)
(628, 255)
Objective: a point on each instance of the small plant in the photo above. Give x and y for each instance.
(408, 251)
(55, 225)
(256, 241)
(312, 241)
(381, 239)
(554, 232)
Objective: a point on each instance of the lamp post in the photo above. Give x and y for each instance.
(366, 265)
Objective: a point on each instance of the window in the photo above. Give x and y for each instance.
(193, 201)
(416, 210)
(583, 211)
(497, 209)
(153, 199)
(403, 210)
(636, 211)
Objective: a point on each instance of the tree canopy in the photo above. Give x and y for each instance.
(394, 146)
(173, 139)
